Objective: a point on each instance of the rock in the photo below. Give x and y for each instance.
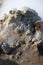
(40, 48)
(11, 57)
(18, 15)
(11, 41)
(12, 20)
(5, 47)
(28, 41)
(38, 35)
(28, 32)
(21, 29)
(0, 62)
(38, 23)
(1, 50)
(21, 33)
(18, 54)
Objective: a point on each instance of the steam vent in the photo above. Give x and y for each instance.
(21, 38)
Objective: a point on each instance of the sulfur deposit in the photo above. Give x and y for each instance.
(21, 38)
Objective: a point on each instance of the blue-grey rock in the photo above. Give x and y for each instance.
(5, 47)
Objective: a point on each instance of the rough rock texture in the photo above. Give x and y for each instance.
(21, 38)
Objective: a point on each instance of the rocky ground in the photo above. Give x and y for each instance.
(21, 38)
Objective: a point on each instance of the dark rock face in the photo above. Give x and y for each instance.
(7, 62)
(40, 48)
(21, 38)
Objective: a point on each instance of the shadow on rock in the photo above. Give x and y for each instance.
(40, 48)
(7, 62)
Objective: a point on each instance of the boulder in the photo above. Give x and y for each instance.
(21, 34)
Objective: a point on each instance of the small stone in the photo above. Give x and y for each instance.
(33, 39)
(11, 57)
(17, 44)
(17, 55)
(5, 47)
(27, 32)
